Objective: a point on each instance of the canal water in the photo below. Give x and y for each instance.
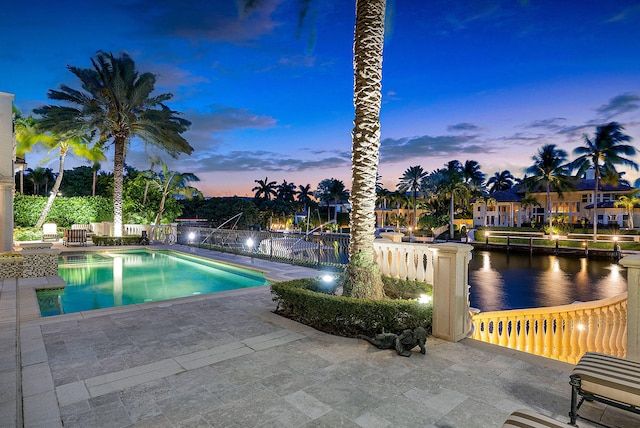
(501, 281)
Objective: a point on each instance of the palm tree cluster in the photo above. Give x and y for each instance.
(282, 200)
(447, 192)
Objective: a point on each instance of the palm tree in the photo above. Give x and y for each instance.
(332, 190)
(115, 101)
(629, 203)
(549, 170)
(265, 189)
(454, 184)
(37, 178)
(472, 174)
(362, 278)
(27, 136)
(411, 181)
(79, 145)
(286, 191)
(603, 153)
(303, 195)
(501, 180)
(527, 202)
(171, 183)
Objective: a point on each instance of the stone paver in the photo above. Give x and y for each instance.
(226, 360)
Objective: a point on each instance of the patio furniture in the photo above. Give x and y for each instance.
(86, 227)
(609, 380)
(77, 236)
(529, 419)
(49, 232)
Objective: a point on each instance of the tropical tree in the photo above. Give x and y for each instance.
(171, 183)
(362, 278)
(265, 189)
(501, 180)
(286, 191)
(549, 170)
(527, 202)
(602, 154)
(332, 190)
(303, 195)
(77, 144)
(116, 102)
(411, 181)
(454, 185)
(629, 203)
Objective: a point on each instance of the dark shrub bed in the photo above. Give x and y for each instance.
(109, 241)
(346, 316)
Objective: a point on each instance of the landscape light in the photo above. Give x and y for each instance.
(250, 243)
(424, 299)
(580, 327)
(327, 277)
(192, 236)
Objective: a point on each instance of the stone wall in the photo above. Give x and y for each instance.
(33, 260)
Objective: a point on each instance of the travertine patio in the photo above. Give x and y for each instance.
(226, 360)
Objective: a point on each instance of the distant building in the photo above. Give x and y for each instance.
(506, 208)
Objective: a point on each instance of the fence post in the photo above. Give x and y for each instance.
(632, 263)
(451, 316)
(270, 245)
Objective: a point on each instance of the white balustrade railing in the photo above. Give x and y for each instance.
(562, 333)
(404, 260)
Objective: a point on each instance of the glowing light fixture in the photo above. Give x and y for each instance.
(424, 299)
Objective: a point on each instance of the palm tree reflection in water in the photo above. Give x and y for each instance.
(501, 281)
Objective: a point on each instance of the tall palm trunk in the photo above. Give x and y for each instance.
(595, 205)
(550, 219)
(451, 215)
(118, 168)
(54, 192)
(362, 277)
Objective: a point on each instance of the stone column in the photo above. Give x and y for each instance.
(451, 317)
(632, 263)
(7, 146)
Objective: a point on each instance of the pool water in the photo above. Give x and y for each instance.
(97, 280)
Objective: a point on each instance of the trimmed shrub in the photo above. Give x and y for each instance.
(108, 241)
(346, 316)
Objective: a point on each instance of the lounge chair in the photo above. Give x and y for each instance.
(529, 419)
(50, 232)
(610, 380)
(77, 236)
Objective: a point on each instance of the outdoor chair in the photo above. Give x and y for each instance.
(609, 380)
(49, 232)
(530, 419)
(74, 236)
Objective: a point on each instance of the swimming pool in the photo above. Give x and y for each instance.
(97, 280)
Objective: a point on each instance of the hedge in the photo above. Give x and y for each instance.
(346, 316)
(64, 212)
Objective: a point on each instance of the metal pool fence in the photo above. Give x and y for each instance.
(325, 248)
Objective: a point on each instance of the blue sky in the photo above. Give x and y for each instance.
(271, 96)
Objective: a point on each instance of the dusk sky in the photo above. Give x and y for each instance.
(485, 80)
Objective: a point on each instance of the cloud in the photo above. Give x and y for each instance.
(396, 150)
(619, 104)
(261, 161)
(552, 124)
(205, 125)
(206, 20)
(625, 14)
(463, 126)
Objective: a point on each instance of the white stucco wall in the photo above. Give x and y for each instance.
(7, 151)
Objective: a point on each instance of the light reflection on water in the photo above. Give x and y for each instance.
(502, 281)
